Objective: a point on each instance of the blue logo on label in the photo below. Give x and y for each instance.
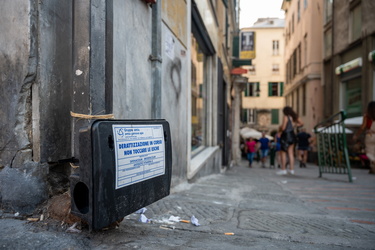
(120, 132)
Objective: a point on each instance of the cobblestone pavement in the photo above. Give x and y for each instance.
(259, 209)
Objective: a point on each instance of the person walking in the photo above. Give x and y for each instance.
(288, 139)
(250, 148)
(368, 126)
(303, 146)
(272, 154)
(278, 146)
(264, 148)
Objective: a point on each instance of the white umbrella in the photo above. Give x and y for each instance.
(253, 133)
(335, 129)
(355, 121)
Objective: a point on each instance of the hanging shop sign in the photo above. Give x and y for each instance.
(247, 45)
(349, 66)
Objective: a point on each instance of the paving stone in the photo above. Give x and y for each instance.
(312, 225)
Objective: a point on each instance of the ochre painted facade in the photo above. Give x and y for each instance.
(303, 59)
(267, 67)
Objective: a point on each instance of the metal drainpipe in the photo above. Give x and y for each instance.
(156, 61)
(333, 57)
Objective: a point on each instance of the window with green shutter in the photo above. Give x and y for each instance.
(270, 89)
(275, 88)
(251, 89)
(246, 91)
(248, 116)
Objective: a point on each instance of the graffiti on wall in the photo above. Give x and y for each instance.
(174, 65)
(174, 71)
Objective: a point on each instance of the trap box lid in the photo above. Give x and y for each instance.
(124, 165)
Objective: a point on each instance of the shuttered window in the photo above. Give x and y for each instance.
(251, 89)
(275, 89)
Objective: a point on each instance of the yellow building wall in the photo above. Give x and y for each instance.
(174, 15)
(263, 64)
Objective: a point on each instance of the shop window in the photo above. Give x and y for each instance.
(198, 96)
(353, 97)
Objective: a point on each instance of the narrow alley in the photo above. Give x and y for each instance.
(243, 208)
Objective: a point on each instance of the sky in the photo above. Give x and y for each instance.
(251, 10)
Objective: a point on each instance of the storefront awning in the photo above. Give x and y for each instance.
(349, 66)
(238, 71)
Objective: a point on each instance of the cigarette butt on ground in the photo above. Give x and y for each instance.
(229, 233)
(32, 219)
(185, 221)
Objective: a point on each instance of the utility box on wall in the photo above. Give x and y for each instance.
(123, 166)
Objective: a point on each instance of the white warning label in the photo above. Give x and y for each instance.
(139, 153)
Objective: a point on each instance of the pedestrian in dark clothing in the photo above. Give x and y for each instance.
(303, 146)
(288, 139)
(264, 148)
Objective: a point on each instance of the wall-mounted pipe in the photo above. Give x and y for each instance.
(156, 61)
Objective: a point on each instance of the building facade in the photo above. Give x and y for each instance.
(348, 56)
(131, 59)
(303, 59)
(262, 98)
